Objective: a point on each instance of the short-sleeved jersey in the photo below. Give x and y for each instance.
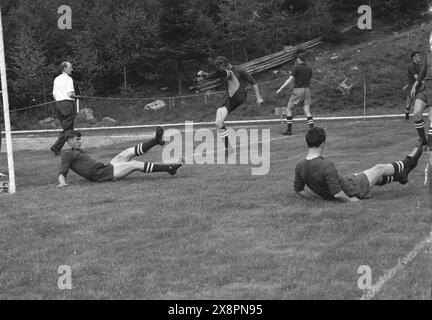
(63, 84)
(412, 69)
(235, 78)
(426, 69)
(320, 176)
(79, 162)
(302, 76)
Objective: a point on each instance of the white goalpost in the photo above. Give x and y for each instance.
(11, 187)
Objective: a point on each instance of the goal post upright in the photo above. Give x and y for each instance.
(11, 170)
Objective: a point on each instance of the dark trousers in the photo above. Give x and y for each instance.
(66, 114)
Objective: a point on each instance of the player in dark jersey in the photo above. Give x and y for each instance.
(413, 70)
(119, 167)
(237, 79)
(423, 98)
(301, 75)
(321, 176)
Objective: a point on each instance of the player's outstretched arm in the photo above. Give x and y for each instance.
(258, 95)
(62, 181)
(285, 84)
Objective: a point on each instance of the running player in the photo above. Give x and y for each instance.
(301, 75)
(423, 98)
(413, 70)
(321, 176)
(118, 168)
(237, 80)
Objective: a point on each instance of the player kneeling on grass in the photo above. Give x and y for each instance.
(118, 168)
(321, 176)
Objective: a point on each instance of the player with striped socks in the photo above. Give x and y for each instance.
(422, 91)
(324, 181)
(119, 167)
(236, 79)
(301, 75)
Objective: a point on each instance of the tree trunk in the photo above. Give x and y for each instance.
(125, 78)
(232, 51)
(179, 84)
(244, 51)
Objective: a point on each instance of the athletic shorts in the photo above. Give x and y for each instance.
(301, 96)
(231, 103)
(102, 173)
(356, 185)
(425, 94)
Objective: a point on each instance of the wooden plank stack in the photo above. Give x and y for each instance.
(260, 64)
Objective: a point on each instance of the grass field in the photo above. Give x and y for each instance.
(216, 231)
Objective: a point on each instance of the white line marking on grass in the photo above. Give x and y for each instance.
(401, 264)
(211, 123)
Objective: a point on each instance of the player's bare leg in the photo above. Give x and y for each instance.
(139, 149)
(124, 166)
(290, 107)
(123, 169)
(306, 109)
(221, 115)
(429, 137)
(407, 107)
(382, 174)
(419, 107)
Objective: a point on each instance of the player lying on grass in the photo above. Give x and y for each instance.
(322, 178)
(118, 168)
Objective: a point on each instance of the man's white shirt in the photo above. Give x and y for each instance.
(63, 84)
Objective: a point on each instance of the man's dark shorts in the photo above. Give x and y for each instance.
(356, 185)
(231, 103)
(102, 173)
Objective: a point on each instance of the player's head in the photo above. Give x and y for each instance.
(222, 63)
(315, 137)
(66, 67)
(73, 138)
(301, 58)
(416, 56)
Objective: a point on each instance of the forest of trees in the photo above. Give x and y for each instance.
(119, 46)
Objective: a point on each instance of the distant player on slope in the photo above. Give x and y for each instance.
(413, 70)
(302, 75)
(119, 167)
(237, 80)
(423, 98)
(322, 178)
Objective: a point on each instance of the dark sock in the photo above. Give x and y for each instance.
(289, 123)
(310, 122)
(153, 167)
(429, 138)
(142, 148)
(385, 180)
(224, 135)
(399, 166)
(420, 129)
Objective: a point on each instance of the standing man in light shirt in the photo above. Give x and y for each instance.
(64, 95)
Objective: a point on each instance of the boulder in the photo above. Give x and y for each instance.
(107, 121)
(46, 121)
(155, 105)
(86, 115)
